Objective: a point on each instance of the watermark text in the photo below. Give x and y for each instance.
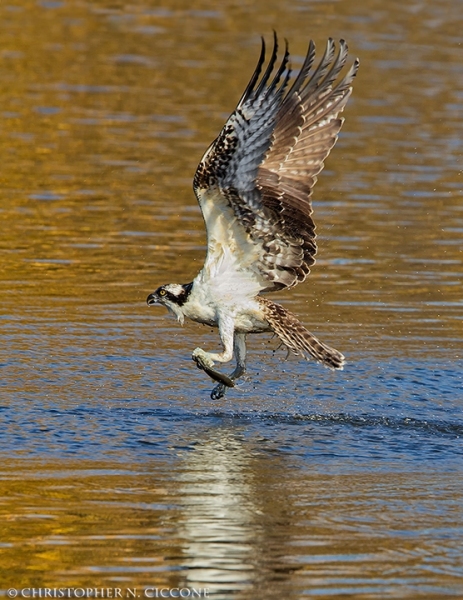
(114, 593)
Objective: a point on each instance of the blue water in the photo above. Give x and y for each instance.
(82, 389)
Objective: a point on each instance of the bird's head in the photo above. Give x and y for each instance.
(173, 296)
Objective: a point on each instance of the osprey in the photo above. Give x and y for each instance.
(254, 185)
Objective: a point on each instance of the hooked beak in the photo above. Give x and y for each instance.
(152, 299)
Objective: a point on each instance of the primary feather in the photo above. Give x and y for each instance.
(255, 181)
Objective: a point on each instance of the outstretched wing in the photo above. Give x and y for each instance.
(254, 182)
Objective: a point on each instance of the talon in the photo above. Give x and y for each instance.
(202, 359)
(218, 392)
(205, 363)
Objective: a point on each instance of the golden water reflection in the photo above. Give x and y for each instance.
(107, 110)
(226, 518)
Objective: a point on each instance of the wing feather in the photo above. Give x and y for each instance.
(255, 181)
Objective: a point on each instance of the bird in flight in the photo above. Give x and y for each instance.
(254, 187)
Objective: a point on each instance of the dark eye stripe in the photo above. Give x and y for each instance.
(181, 298)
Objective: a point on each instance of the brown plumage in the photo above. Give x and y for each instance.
(306, 128)
(296, 337)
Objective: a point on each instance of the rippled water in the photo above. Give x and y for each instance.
(117, 469)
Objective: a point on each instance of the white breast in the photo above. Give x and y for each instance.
(211, 298)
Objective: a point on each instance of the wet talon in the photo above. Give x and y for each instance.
(201, 357)
(205, 363)
(218, 392)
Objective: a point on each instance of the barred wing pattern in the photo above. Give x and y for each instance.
(255, 181)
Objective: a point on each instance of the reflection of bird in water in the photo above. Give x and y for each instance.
(218, 524)
(254, 185)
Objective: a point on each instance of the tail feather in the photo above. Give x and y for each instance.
(297, 338)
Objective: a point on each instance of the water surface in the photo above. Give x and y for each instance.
(117, 469)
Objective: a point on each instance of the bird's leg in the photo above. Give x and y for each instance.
(239, 346)
(205, 360)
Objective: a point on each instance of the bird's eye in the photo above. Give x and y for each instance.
(162, 292)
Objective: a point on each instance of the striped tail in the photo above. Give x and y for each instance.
(296, 337)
